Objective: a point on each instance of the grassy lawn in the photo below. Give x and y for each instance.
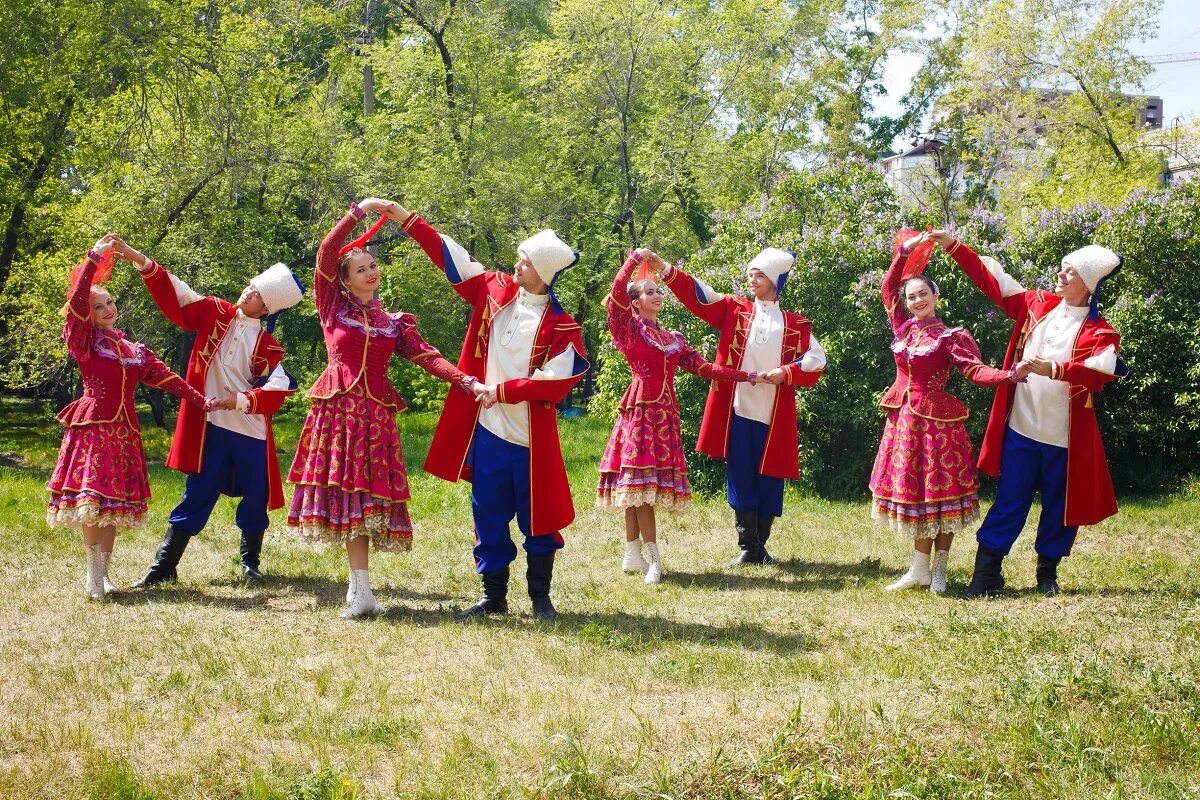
(799, 680)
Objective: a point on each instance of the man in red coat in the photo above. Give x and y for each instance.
(1042, 435)
(231, 449)
(525, 353)
(753, 428)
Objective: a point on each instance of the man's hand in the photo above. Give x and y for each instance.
(228, 403)
(775, 377)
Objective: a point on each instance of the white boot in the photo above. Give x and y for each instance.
(633, 561)
(937, 584)
(362, 601)
(109, 586)
(654, 570)
(95, 581)
(350, 588)
(917, 575)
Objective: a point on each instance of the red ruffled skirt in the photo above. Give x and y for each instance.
(349, 474)
(924, 481)
(100, 478)
(644, 462)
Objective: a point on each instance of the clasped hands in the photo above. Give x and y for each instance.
(388, 208)
(656, 262)
(228, 403)
(485, 394)
(111, 241)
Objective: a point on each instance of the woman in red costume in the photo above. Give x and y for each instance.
(644, 466)
(99, 483)
(351, 483)
(924, 480)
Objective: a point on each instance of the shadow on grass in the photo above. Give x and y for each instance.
(803, 576)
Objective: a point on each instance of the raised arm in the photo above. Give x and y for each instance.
(465, 274)
(890, 290)
(412, 346)
(622, 322)
(78, 330)
(964, 354)
(698, 297)
(987, 274)
(158, 375)
(326, 285)
(170, 294)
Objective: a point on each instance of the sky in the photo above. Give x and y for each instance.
(1177, 84)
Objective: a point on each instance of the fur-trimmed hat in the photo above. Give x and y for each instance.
(775, 264)
(549, 254)
(279, 288)
(1092, 262)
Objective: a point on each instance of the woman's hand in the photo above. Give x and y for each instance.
(104, 244)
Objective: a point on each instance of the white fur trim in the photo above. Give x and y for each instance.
(548, 254)
(278, 288)
(1092, 263)
(772, 262)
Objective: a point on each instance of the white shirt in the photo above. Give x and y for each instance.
(231, 370)
(510, 346)
(1041, 407)
(764, 351)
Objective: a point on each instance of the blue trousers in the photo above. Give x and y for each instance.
(499, 492)
(745, 487)
(232, 461)
(1026, 467)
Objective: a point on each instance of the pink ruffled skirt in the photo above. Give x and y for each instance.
(349, 474)
(100, 478)
(644, 462)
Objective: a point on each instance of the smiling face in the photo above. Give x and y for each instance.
(360, 273)
(1070, 287)
(920, 298)
(760, 285)
(646, 297)
(103, 309)
(251, 303)
(527, 277)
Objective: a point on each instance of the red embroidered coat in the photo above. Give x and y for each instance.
(1090, 494)
(360, 339)
(209, 318)
(551, 508)
(925, 353)
(732, 315)
(652, 352)
(111, 366)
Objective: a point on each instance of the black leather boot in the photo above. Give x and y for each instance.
(166, 559)
(251, 551)
(540, 573)
(746, 523)
(495, 596)
(1047, 576)
(765, 521)
(987, 580)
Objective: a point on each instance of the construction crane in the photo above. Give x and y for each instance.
(1172, 58)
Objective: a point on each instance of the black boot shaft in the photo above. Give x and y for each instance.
(251, 551)
(988, 579)
(1047, 576)
(495, 596)
(166, 559)
(540, 574)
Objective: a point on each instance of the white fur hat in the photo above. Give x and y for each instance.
(279, 288)
(549, 254)
(1092, 262)
(774, 263)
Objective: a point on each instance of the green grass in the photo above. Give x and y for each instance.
(801, 680)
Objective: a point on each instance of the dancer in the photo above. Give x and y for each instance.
(753, 428)
(529, 353)
(924, 481)
(643, 465)
(100, 482)
(349, 474)
(1042, 435)
(231, 450)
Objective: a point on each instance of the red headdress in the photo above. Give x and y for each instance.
(362, 240)
(918, 256)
